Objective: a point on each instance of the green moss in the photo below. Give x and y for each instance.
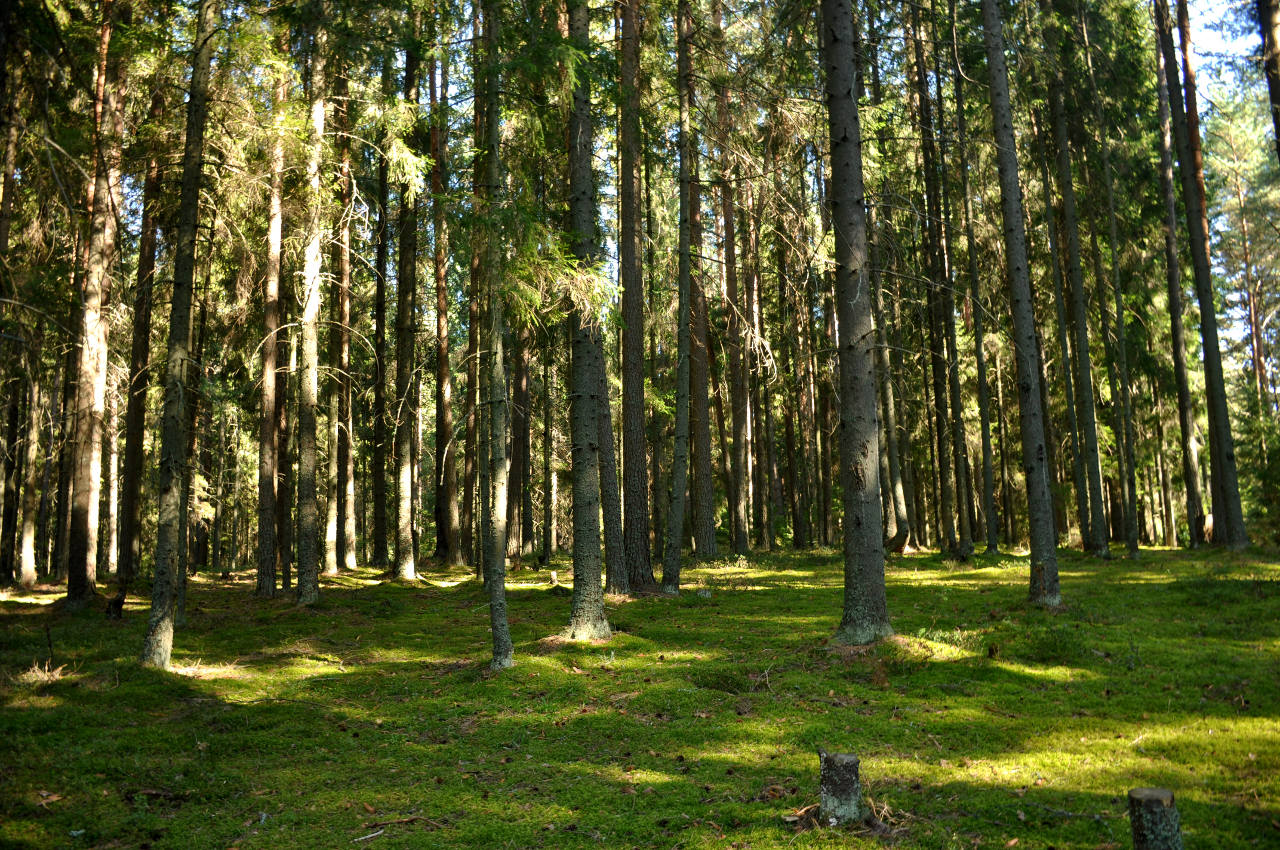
(982, 721)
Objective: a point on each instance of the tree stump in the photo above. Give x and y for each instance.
(840, 793)
(1154, 819)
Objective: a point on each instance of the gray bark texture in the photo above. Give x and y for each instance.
(1153, 820)
(157, 646)
(1044, 588)
(865, 617)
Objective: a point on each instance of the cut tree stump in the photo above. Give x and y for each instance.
(1154, 819)
(840, 791)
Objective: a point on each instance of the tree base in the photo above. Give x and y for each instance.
(1154, 819)
(588, 630)
(861, 634)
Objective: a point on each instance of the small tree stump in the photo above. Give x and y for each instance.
(1154, 819)
(840, 792)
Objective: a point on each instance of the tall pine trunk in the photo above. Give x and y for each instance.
(158, 644)
(406, 409)
(309, 543)
(865, 616)
(1044, 588)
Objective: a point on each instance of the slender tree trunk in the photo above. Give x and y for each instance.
(90, 397)
(936, 303)
(26, 576)
(680, 452)
(617, 579)
(1085, 410)
(865, 616)
(979, 312)
(446, 473)
(309, 551)
(11, 475)
(1125, 434)
(381, 557)
(286, 447)
(1044, 560)
(548, 475)
(139, 372)
(703, 481)
(158, 644)
(109, 528)
(343, 550)
(634, 449)
(406, 413)
(472, 462)
(1228, 517)
(268, 448)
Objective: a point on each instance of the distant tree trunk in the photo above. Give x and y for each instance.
(680, 452)
(158, 644)
(1044, 559)
(26, 576)
(406, 414)
(268, 449)
(139, 372)
(1006, 492)
(634, 449)
(472, 461)
(11, 472)
(617, 579)
(446, 473)
(1269, 24)
(1085, 411)
(286, 447)
(91, 384)
(519, 427)
(108, 529)
(309, 543)
(1125, 435)
(1173, 264)
(1228, 518)
(496, 531)
(979, 312)
(936, 302)
(548, 479)
(866, 616)
(704, 515)
(1083, 516)
(381, 557)
(343, 552)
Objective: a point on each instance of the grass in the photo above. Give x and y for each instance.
(372, 721)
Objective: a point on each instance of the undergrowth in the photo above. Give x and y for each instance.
(371, 720)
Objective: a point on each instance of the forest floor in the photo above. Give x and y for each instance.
(371, 720)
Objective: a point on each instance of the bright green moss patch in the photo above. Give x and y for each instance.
(982, 721)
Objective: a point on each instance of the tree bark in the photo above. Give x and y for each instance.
(26, 576)
(406, 413)
(1228, 517)
(378, 476)
(635, 496)
(680, 451)
(91, 384)
(865, 617)
(309, 543)
(1178, 340)
(158, 644)
(446, 473)
(1044, 588)
(1085, 410)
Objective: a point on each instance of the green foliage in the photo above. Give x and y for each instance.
(697, 724)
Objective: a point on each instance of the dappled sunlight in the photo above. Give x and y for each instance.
(700, 718)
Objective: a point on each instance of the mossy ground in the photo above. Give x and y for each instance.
(983, 723)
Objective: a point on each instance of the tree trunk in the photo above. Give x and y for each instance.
(635, 497)
(1085, 411)
(446, 473)
(139, 372)
(406, 413)
(703, 481)
(617, 579)
(680, 451)
(1178, 340)
(91, 383)
(1044, 560)
(1228, 518)
(309, 551)
(381, 557)
(979, 313)
(158, 644)
(1125, 434)
(865, 616)
(26, 576)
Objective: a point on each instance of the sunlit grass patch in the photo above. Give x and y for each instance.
(981, 721)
